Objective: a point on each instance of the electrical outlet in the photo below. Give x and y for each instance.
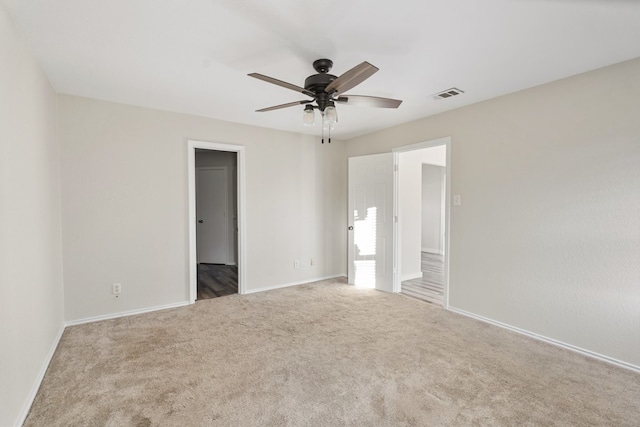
(296, 264)
(313, 261)
(116, 289)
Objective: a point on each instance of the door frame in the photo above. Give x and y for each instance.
(192, 145)
(227, 214)
(397, 255)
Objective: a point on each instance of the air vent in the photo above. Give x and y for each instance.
(447, 93)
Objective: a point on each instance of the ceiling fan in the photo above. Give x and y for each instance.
(326, 90)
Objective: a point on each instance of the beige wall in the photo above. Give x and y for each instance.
(124, 205)
(31, 294)
(433, 198)
(548, 237)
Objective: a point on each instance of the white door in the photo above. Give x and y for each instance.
(370, 221)
(211, 215)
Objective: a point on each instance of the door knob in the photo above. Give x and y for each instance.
(350, 227)
(200, 221)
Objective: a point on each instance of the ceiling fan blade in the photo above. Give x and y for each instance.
(369, 101)
(351, 78)
(290, 104)
(281, 83)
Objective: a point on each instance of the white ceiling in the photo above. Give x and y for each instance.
(194, 56)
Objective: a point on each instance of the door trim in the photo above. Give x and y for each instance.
(446, 141)
(192, 145)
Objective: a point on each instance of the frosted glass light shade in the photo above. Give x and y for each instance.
(329, 116)
(308, 116)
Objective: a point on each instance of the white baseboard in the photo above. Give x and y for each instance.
(36, 385)
(125, 313)
(533, 335)
(411, 276)
(286, 285)
(433, 251)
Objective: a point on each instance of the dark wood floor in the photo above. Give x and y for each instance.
(217, 280)
(429, 287)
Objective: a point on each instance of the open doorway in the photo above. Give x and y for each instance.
(429, 285)
(422, 208)
(217, 223)
(216, 219)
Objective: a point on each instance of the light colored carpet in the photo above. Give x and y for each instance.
(324, 354)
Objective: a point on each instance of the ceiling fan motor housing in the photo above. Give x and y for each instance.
(318, 82)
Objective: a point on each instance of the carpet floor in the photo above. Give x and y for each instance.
(323, 354)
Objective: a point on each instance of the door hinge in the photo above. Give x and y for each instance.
(395, 168)
(395, 218)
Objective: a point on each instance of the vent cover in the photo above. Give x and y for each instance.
(447, 93)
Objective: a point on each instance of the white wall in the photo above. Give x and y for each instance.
(210, 158)
(125, 197)
(432, 199)
(547, 238)
(410, 206)
(31, 293)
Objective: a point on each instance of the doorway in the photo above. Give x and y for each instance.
(429, 284)
(216, 226)
(216, 219)
(422, 235)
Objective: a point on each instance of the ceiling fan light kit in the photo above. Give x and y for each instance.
(308, 115)
(326, 90)
(329, 115)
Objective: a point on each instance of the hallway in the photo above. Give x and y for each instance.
(430, 287)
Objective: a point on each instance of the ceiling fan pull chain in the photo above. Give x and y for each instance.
(322, 124)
